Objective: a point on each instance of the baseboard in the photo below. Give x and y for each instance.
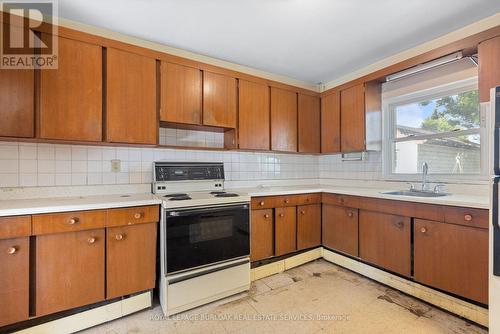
(93, 317)
(449, 303)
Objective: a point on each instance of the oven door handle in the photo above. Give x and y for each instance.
(189, 212)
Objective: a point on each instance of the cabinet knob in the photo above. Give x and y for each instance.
(261, 203)
(308, 199)
(266, 215)
(467, 217)
(137, 215)
(281, 215)
(119, 237)
(423, 229)
(286, 200)
(400, 224)
(91, 240)
(11, 250)
(342, 201)
(73, 221)
(302, 212)
(350, 214)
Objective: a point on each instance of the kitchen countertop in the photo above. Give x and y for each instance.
(63, 204)
(472, 201)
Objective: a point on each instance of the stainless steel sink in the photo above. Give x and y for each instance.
(415, 193)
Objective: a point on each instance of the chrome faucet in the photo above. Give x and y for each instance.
(425, 170)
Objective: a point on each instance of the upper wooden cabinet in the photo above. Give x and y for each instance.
(352, 120)
(330, 123)
(283, 120)
(71, 95)
(489, 67)
(309, 124)
(180, 94)
(254, 116)
(220, 95)
(132, 114)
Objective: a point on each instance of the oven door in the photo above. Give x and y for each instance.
(197, 237)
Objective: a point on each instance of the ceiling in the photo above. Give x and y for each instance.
(309, 40)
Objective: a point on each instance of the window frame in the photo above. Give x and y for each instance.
(389, 133)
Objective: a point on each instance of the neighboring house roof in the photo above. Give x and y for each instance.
(448, 142)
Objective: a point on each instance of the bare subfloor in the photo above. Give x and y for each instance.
(317, 297)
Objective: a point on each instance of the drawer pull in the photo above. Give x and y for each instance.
(281, 215)
(302, 212)
(73, 220)
(119, 237)
(468, 217)
(266, 215)
(91, 240)
(350, 214)
(286, 200)
(137, 215)
(423, 230)
(11, 250)
(261, 203)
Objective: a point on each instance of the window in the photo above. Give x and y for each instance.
(440, 126)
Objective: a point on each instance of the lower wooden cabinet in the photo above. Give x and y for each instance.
(285, 224)
(262, 234)
(130, 259)
(308, 226)
(385, 240)
(69, 269)
(452, 258)
(14, 280)
(340, 228)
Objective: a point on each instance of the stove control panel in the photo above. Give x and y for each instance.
(165, 172)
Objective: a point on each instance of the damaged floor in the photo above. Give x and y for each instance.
(318, 297)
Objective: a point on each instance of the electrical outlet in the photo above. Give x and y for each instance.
(116, 165)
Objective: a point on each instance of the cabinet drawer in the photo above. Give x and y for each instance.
(15, 227)
(269, 202)
(68, 221)
(466, 216)
(134, 215)
(342, 200)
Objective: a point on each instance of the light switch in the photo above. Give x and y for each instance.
(116, 165)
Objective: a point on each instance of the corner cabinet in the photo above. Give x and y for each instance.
(309, 124)
(330, 123)
(254, 123)
(131, 102)
(340, 228)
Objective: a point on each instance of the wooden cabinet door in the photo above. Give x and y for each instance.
(330, 123)
(69, 270)
(340, 228)
(309, 124)
(385, 240)
(285, 225)
(452, 258)
(352, 120)
(489, 67)
(254, 116)
(220, 94)
(130, 259)
(132, 114)
(71, 95)
(262, 234)
(308, 226)
(283, 120)
(14, 280)
(180, 94)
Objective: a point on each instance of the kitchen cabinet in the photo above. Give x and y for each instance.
(340, 228)
(489, 67)
(131, 102)
(71, 95)
(452, 258)
(285, 225)
(385, 240)
(262, 234)
(254, 116)
(308, 226)
(283, 120)
(309, 124)
(352, 120)
(330, 123)
(69, 270)
(220, 95)
(130, 259)
(14, 266)
(180, 94)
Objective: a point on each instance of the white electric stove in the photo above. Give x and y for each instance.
(204, 235)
